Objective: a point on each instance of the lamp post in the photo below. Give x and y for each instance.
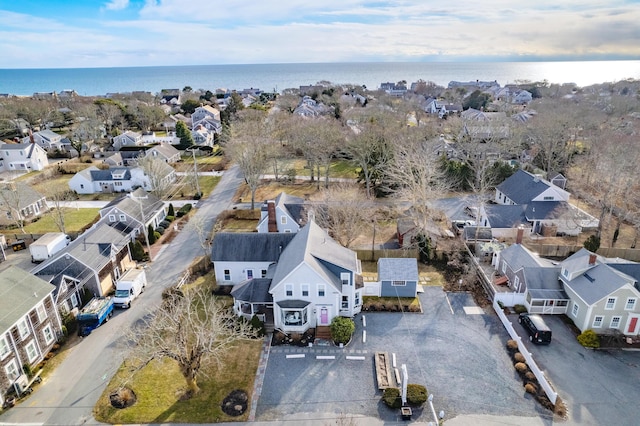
(144, 225)
(433, 411)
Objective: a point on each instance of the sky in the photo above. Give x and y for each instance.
(117, 33)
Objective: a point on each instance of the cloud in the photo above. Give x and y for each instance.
(117, 5)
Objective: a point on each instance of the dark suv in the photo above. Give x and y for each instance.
(539, 331)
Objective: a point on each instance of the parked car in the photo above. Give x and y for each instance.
(539, 331)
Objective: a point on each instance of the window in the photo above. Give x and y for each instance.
(345, 278)
(74, 300)
(48, 334)
(320, 290)
(249, 274)
(112, 218)
(597, 321)
(305, 290)
(288, 290)
(615, 322)
(516, 282)
(32, 351)
(23, 328)
(283, 220)
(357, 299)
(631, 304)
(123, 218)
(575, 309)
(63, 286)
(42, 312)
(611, 303)
(398, 283)
(82, 186)
(548, 198)
(562, 303)
(565, 273)
(504, 267)
(12, 370)
(345, 302)
(227, 275)
(4, 347)
(263, 273)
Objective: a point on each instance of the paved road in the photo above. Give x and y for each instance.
(68, 395)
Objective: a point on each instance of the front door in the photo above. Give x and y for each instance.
(632, 327)
(324, 316)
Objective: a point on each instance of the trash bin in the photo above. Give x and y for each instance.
(18, 245)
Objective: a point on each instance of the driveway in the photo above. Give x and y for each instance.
(460, 357)
(598, 387)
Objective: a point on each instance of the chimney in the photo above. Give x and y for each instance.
(271, 211)
(519, 236)
(31, 138)
(592, 259)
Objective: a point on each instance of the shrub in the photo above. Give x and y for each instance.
(518, 357)
(151, 235)
(512, 344)
(137, 251)
(391, 397)
(521, 367)
(589, 339)
(500, 304)
(160, 230)
(27, 370)
(341, 329)
(416, 394)
(197, 195)
(529, 376)
(171, 212)
(156, 236)
(165, 224)
(184, 210)
(531, 388)
(519, 309)
(170, 218)
(258, 325)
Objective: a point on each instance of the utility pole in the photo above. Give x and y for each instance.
(195, 171)
(144, 225)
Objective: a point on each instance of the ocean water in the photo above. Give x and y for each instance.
(277, 77)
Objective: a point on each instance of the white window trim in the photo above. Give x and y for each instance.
(6, 345)
(626, 305)
(283, 220)
(288, 288)
(504, 267)
(606, 304)
(112, 218)
(619, 318)
(44, 334)
(31, 344)
(575, 310)
(26, 327)
(15, 368)
(322, 288)
(41, 315)
(595, 319)
(305, 288)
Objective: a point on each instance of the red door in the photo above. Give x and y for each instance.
(632, 325)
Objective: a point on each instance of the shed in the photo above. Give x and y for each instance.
(398, 277)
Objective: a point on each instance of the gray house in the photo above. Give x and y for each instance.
(398, 277)
(605, 294)
(284, 214)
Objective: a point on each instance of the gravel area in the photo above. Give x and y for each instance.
(459, 357)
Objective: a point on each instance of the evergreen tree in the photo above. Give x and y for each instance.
(151, 234)
(171, 211)
(182, 132)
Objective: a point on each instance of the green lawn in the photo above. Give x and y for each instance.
(75, 220)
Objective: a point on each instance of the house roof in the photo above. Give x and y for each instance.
(501, 216)
(518, 256)
(20, 193)
(130, 204)
(522, 187)
(313, 246)
(166, 150)
(597, 283)
(540, 210)
(397, 269)
(19, 293)
(543, 283)
(249, 246)
(109, 174)
(253, 291)
(483, 234)
(292, 205)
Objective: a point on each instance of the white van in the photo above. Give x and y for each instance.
(130, 285)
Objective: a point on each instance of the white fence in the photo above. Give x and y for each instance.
(551, 394)
(510, 299)
(371, 288)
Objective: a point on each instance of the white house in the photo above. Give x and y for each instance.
(117, 179)
(313, 280)
(23, 157)
(128, 138)
(284, 214)
(46, 139)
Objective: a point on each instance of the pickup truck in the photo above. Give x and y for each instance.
(94, 314)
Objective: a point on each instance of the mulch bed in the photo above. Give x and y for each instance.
(235, 404)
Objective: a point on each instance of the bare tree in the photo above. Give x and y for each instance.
(56, 196)
(156, 170)
(198, 226)
(344, 211)
(191, 327)
(248, 148)
(11, 203)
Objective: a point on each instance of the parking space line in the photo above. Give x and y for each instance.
(446, 296)
(295, 356)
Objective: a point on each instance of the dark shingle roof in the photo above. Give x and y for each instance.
(501, 216)
(249, 247)
(397, 269)
(254, 291)
(522, 187)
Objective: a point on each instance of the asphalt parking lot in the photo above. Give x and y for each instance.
(598, 387)
(460, 357)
